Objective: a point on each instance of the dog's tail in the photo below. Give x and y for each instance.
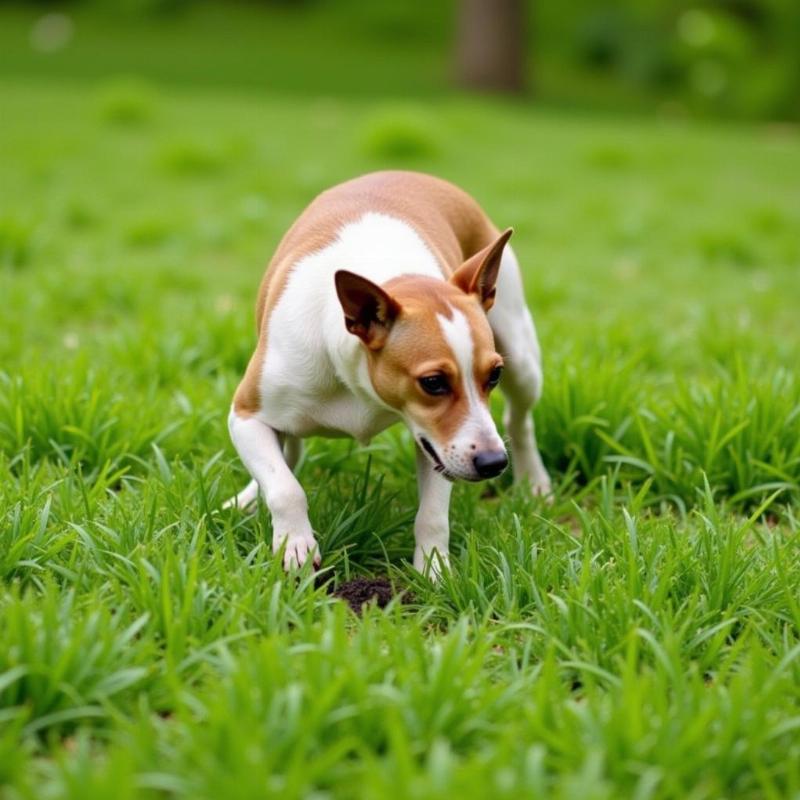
(245, 500)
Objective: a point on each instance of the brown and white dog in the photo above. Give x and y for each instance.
(392, 297)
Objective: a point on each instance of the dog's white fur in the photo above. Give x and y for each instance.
(314, 378)
(315, 381)
(479, 425)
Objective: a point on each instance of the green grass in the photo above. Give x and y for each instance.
(638, 638)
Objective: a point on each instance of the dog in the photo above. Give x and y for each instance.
(392, 297)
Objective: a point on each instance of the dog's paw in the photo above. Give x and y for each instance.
(299, 549)
(541, 487)
(431, 563)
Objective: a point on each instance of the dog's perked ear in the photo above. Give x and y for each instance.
(368, 310)
(478, 274)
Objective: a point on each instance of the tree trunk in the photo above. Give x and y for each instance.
(491, 45)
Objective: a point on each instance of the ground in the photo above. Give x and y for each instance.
(638, 637)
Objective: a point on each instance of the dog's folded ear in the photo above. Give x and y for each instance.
(368, 310)
(478, 274)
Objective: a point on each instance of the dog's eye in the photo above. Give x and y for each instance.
(434, 384)
(494, 376)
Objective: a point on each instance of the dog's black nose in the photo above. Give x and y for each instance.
(490, 463)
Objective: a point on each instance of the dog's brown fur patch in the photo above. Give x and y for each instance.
(417, 346)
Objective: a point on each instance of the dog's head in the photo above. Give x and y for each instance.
(431, 356)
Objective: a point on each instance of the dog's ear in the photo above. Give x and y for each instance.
(368, 310)
(478, 274)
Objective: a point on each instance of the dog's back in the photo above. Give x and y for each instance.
(447, 219)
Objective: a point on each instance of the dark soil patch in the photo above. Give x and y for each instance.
(360, 591)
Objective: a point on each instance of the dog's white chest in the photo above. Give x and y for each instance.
(314, 379)
(298, 412)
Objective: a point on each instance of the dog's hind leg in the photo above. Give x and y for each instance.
(246, 499)
(516, 341)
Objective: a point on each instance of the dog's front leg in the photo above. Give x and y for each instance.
(432, 523)
(260, 449)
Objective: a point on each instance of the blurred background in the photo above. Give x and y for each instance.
(724, 58)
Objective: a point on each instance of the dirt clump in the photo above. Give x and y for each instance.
(360, 591)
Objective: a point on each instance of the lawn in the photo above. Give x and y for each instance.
(640, 637)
